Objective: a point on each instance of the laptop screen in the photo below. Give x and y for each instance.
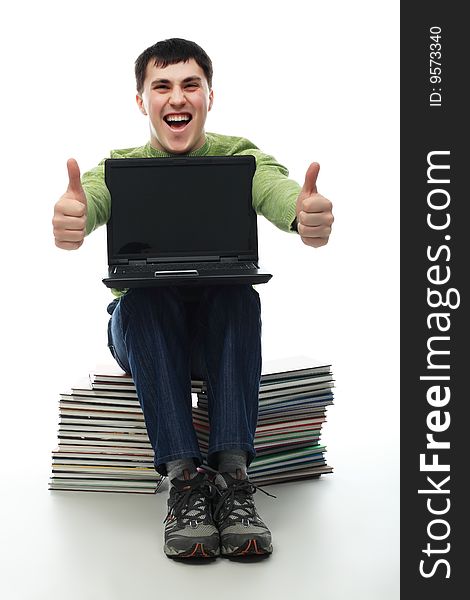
(181, 207)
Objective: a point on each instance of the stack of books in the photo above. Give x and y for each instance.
(293, 399)
(103, 443)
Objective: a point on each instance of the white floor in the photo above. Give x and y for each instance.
(336, 538)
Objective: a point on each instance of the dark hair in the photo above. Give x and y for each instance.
(170, 52)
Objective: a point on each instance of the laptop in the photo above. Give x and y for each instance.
(182, 221)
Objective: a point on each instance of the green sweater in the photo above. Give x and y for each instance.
(274, 195)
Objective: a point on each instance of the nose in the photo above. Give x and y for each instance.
(177, 97)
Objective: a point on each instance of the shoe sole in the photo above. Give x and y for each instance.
(197, 550)
(249, 548)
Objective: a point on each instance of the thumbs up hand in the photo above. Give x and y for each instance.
(70, 212)
(314, 216)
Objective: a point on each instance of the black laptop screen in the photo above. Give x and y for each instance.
(181, 207)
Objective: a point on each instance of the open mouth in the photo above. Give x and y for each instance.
(177, 122)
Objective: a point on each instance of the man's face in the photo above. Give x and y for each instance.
(176, 99)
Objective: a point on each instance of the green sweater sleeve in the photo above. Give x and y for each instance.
(98, 197)
(274, 194)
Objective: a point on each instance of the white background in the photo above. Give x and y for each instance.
(305, 82)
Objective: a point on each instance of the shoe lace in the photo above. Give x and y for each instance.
(238, 495)
(192, 498)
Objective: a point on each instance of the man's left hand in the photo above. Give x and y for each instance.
(314, 216)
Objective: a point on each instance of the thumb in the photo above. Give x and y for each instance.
(310, 184)
(75, 185)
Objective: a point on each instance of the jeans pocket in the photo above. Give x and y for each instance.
(111, 306)
(256, 294)
(112, 349)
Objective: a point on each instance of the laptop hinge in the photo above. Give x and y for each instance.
(137, 262)
(229, 259)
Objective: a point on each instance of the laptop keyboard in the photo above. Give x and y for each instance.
(151, 268)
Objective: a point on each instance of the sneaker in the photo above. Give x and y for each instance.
(189, 529)
(242, 532)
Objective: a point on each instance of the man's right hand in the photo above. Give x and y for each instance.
(70, 212)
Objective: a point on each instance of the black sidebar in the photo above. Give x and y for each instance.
(435, 268)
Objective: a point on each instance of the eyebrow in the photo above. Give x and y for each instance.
(186, 80)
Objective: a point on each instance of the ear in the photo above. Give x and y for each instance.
(140, 104)
(211, 99)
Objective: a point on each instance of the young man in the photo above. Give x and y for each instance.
(163, 336)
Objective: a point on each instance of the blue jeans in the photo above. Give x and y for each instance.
(164, 336)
